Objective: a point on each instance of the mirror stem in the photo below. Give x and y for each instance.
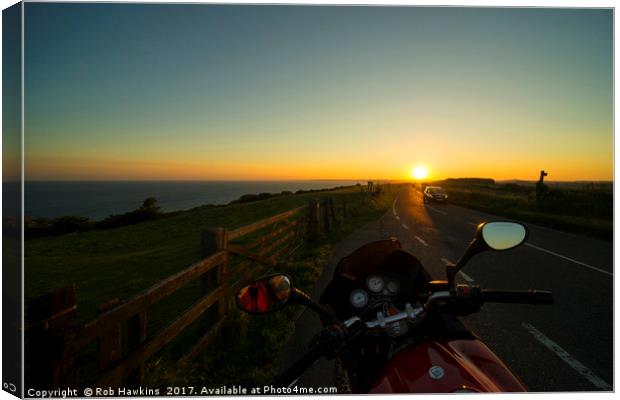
(301, 298)
(475, 246)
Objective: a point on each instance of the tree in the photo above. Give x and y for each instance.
(150, 205)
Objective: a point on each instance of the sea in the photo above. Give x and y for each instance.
(97, 200)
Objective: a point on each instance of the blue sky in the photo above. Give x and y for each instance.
(135, 91)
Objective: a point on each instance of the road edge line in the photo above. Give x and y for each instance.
(567, 358)
(569, 259)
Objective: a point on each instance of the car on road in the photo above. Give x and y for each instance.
(435, 194)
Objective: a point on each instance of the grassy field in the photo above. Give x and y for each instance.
(585, 209)
(118, 263)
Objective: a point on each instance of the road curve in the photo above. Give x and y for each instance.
(567, 346)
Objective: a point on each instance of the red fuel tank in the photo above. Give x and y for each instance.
(445, 366)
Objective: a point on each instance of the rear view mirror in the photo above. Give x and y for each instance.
(489, 236)
(503, 235)
(265, 295)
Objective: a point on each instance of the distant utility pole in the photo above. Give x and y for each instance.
(542, 176)
(541, 188)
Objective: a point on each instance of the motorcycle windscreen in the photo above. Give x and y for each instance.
(367, 258)
(381, 257)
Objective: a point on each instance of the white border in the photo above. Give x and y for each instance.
(478, 3)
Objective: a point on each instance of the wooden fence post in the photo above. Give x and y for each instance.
(212, 241)
(331, 210)
(110, 343)
(136, 336)
(50, 324)
(327, 223)
(222, 280)
(313, 220)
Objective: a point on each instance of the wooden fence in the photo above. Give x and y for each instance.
(54, 341)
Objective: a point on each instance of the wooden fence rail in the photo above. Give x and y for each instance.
(51, 318)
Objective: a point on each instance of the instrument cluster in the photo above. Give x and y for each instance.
(375, 286)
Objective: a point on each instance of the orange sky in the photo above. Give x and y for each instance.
(77, 168)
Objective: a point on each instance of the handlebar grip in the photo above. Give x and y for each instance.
(517, 296)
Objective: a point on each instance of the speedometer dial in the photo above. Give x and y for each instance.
(393, 287)
(358, 298)
(375, 283)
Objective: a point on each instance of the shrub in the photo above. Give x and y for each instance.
(148, 211)
(59, 226)
(247, 198)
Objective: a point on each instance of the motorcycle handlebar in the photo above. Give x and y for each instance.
(290, 376)
(516, 296)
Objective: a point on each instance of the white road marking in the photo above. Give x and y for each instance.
(419, 239)
(446, 261)
(394, 210)
(439, 211)
(569, 259)
(567, 358)
(466, 277)
(405, 226)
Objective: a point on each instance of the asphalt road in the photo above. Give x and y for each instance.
(567, 346)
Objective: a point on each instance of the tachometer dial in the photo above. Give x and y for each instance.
(358, 298)
(375, 283)
(393, 286)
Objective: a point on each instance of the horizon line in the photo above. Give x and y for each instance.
(302, 180)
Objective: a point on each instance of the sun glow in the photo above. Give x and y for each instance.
(419, 172)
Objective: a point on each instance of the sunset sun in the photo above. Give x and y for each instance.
(419, 172)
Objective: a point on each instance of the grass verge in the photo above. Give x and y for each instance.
(586, 211)
(121, 262)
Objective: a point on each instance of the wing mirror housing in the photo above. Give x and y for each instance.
(265, 295)
(274, 292)
(498, 236)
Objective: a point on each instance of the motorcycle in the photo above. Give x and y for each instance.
(391, 328)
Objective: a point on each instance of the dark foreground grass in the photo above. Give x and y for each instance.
(121, 262)
(587, 210)
(118, 263)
